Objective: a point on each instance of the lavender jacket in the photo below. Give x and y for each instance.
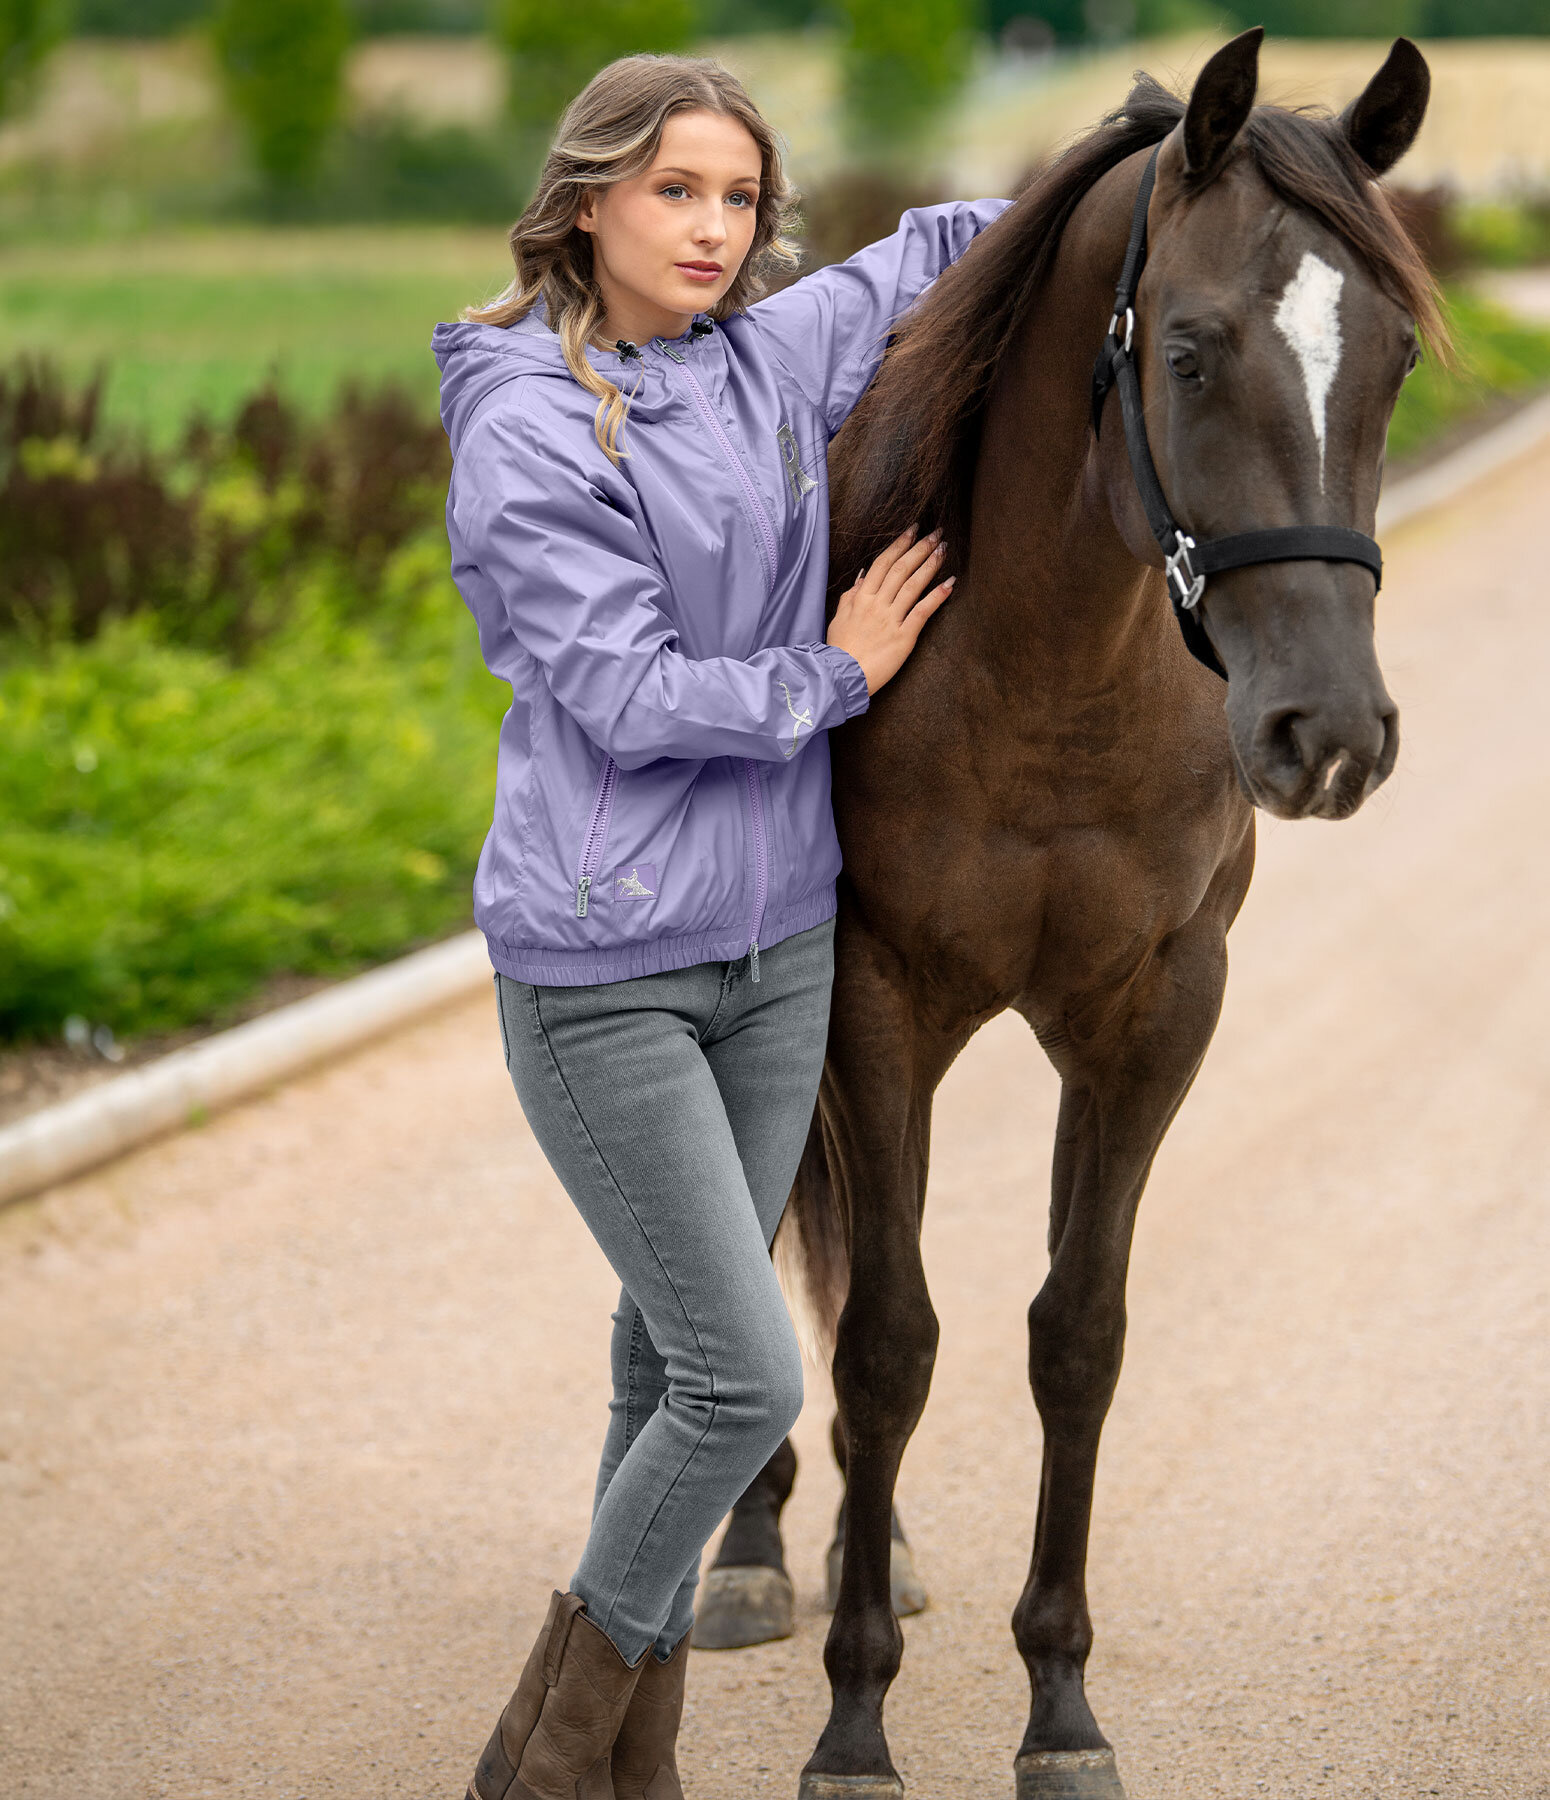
(662, 787)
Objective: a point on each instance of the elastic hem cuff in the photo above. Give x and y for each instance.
(625, 962)
(851, 678)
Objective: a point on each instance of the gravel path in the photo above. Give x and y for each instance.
(298, 1412)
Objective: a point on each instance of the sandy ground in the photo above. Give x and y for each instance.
(298, 1412)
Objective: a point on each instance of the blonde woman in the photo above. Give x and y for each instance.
(638, 517)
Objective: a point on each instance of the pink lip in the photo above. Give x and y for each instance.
(698, 272)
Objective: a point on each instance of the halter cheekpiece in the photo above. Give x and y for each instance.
(1187, 563)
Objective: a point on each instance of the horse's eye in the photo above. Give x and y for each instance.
(1183, 363)
(1414, 362)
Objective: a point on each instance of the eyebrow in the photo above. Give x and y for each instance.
(695, 175)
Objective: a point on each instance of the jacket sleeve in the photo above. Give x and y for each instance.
(830, 328)
(580, 592)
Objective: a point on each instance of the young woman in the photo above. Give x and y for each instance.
(658, 885)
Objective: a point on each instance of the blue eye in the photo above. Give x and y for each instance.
(739, 194)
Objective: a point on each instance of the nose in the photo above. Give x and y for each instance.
(1322, 761)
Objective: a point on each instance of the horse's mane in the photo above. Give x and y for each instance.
(916, 431)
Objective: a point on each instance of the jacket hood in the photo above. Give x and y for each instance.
(476, 359)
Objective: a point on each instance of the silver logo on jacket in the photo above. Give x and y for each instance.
(797, 478)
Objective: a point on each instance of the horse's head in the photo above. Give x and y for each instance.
(1275, 322)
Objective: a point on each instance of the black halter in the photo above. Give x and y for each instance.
(1185, 562)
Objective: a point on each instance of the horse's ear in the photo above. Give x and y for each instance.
(1219, 107)
(1381, 122)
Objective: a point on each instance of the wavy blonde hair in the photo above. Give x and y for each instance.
(608, 133)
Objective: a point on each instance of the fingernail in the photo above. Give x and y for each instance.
(936, 535)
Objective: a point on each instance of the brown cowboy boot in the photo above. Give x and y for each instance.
(553, 1740)
(643, 1764)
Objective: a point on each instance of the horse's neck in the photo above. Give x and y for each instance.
(1060, 592)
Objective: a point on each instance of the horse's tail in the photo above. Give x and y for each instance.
(812, 1252)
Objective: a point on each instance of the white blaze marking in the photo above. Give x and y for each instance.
(1308, 317)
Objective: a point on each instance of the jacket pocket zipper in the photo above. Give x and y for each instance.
(597, 831)
(761, 864)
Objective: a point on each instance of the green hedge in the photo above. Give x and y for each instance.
(1497, 354)
(174, 830)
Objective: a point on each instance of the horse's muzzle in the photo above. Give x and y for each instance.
(1318, 762)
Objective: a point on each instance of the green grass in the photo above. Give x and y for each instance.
(1497, 354)
(195, 319)
(173, 831)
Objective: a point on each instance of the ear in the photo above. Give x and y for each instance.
(1221, 103)
(1381, 122)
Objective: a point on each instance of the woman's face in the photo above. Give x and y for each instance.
(693, 209)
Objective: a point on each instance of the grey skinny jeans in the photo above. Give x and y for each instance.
(674, 1108)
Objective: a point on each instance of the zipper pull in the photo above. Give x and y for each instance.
(583, 888)
(753, 959)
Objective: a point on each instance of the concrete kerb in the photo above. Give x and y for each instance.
(185, 1086)
(181, 1088)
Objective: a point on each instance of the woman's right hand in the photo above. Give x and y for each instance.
(879, 619)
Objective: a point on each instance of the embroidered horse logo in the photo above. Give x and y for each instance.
(797, 478)
(800, 719)
(631, 887)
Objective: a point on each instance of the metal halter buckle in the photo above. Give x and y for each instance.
(1130, 327)
(1181, 575)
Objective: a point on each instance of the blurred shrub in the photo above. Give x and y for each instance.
(554, 50)
(389, 166)
(137, 18)
(1504, 234)
(213, 538)
(901, 63)
(854, 207)
(156, 18)
(1031, 24)
(245, 727)
(174, 831)
(1483, 18)
(733, 18)
(1430, 216)
(29, 32)
(283, 65)
(1497, 355)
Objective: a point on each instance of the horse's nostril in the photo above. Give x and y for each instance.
(1281, 737)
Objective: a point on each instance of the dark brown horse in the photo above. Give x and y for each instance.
(1051, 808)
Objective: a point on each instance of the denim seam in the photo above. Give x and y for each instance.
(500, 1013)
(618, 1187)
(726, 988)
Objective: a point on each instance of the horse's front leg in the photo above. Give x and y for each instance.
(876, 1098)
(747, 1596)
(1120, 1095)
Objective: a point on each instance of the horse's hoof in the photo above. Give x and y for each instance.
(849, 1787)
(1068, 1775)
(906, 1589)
(743, 1606)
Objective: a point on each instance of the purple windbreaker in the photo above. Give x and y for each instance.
(662, 787)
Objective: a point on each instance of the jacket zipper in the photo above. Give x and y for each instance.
(761, 861)
(597, 830)
(756, 506)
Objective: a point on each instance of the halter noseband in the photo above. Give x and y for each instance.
(1187, 563)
